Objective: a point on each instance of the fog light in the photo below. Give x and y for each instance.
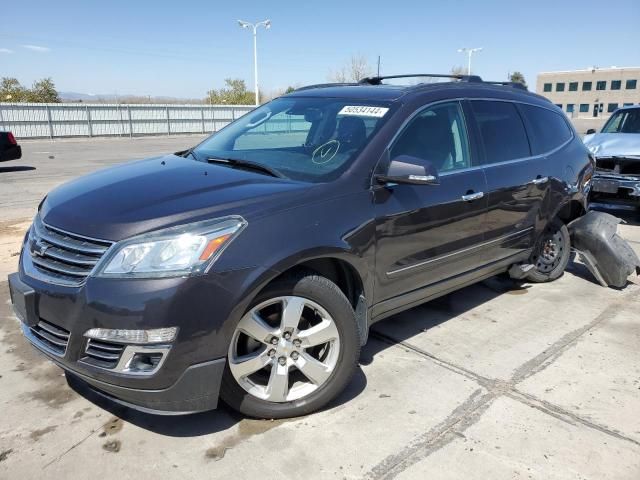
(144, 362)
(139, 337)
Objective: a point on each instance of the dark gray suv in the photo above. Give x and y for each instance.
(251, 266)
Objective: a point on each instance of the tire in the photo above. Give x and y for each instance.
(552, 253)
(323, 307)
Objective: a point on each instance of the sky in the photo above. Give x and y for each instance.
(185, 48)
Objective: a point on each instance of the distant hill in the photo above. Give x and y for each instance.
(69, 97)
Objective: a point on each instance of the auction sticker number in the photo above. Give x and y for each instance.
(363, 111)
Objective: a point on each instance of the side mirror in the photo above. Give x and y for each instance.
(590, 131)
(411, 170)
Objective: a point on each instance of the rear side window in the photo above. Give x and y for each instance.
(547, 129)
(502, 131)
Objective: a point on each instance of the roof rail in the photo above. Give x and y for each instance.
(517, 85)
(378, 80)
(325, 85)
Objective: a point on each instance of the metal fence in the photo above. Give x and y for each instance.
(53, 120)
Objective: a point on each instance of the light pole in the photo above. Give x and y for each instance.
(266, 24)
(469, 52)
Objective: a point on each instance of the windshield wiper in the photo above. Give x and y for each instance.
(188, 152)
(247, 165)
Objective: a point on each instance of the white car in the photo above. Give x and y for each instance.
(617, 151)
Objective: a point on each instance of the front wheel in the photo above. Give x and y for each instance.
(293, 351)
(552, 254)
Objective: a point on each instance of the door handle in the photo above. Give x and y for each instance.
(472, 196)
(539, 180)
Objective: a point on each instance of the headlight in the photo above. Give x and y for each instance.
(176, 251)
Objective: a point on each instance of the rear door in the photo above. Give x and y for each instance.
(428, 233)
(517, 181)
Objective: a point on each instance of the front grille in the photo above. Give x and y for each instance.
(62, 255)
(52, 337)
(103, 354)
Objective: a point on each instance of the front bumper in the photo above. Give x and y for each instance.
(615, 189)
(203, 308)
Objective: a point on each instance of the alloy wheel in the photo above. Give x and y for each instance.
(283, 349)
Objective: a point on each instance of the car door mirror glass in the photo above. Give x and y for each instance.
(591, 131)
(411, 170)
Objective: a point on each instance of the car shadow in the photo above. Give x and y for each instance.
(198, 424)
(630, 216)
(16, 168)
(429, 315)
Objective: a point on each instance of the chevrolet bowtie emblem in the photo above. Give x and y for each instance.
(38, 248)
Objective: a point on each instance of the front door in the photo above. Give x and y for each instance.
(428, 233)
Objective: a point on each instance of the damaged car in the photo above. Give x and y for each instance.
(616, 180)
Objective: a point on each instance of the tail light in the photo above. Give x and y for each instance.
(11, 138)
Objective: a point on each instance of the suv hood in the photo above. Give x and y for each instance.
(613, 144)
(138, 197)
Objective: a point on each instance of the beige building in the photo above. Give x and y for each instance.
(590, 96)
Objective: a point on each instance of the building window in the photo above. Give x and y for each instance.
(547, 87)
(601, 85)
(612, 107)
(560, 87)
(616, 84)
(573, 86)
(631, 84)
(586, 86)
(584, 108)
(559, 105)
(627, 104)
(570, 107)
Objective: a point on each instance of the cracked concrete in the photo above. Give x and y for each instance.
(489, 382)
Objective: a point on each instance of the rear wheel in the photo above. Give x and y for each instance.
(552, 254)
(293, 351)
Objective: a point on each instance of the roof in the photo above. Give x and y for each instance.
(389, 92)
(591, 69)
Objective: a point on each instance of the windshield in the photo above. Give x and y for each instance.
(308, 139)
(624, 121)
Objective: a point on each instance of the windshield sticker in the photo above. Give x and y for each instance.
(325, 152)
(363, 111)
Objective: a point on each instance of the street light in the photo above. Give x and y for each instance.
(266, 24)
(469, 52)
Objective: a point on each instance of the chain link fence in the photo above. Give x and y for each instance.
(55, 120)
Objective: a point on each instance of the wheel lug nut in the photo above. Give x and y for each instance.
(287, 336)
(294, 355)
(274, 341)
(272, 352)
(297, 342)
(282, 361)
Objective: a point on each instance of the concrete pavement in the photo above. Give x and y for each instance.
(495, 381)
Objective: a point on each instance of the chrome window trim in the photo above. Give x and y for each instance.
(458, 252)
(493, 164)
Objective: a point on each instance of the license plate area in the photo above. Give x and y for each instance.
(23, 299)
(605, 186)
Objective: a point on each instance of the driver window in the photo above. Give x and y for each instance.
(437, 135)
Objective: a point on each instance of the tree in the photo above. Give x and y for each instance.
(354, 70)
(289, 89)
(517, 77)
(11, 90)
(458, 70)
(43, 91)
(234, 93)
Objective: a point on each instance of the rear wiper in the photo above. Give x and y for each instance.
(247, 165)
